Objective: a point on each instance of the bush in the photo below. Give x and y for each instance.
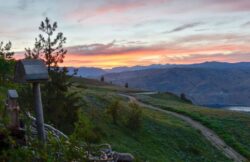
(184, 98)
(126, 85)
(75, 148)
(102, 79)
(113, 110)
(53, 150)
(134, 118)
(85, 130)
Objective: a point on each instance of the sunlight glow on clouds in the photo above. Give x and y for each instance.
(134, 32)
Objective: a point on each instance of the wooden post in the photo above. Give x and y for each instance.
(39, 112)
(34, 71)
(12, 109)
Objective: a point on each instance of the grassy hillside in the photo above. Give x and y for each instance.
(162, 137)
(232, 126)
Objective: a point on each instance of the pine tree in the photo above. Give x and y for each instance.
(184, 98)
(102, 79)
(60, 105)
(5, 51)
(52, 48)
(36, 52)
(6, 61)
(126, 85)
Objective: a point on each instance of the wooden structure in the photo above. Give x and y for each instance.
(31, 71)
(34, 71)
(12, 109)
(12, 112)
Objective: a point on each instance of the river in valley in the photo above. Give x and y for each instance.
(231, 108)
(238, 108)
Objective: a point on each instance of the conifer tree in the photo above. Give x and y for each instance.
(5, 51)
(36, 52)
(60, 105)
(102, 79)
(6, 61)
(52, 43)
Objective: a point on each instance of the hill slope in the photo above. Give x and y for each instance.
(162, 137)
(233, 127)
(204, 86)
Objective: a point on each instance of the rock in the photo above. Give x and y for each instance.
(124, 157)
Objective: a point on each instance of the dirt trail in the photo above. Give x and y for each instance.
(206, 132)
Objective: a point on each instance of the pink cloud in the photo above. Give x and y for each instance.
(231, 5)
(113, 6)
(199, 43)
(198, 58)
(189, 49)
(202, 6)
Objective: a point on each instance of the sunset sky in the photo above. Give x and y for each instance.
(110, 33)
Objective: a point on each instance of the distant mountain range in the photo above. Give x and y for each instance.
(88, 72)
(209, 83)
(92, 72)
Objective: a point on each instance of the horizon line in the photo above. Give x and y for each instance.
(238, 62)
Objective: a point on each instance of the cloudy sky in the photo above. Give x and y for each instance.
(109, 33)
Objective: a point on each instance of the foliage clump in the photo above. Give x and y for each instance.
(6, 62)
(126, 85)
(54, 150)
(79, 146)
(102, 79)
(114, 110)
(134, 117)
(184, 98)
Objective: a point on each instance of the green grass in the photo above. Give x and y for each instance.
(232, 126)
(163, 138)
(102, 86)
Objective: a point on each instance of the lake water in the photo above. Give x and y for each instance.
(238, 108)
(232, 108)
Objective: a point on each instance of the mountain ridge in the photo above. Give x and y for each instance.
(94, 72)
(204, 86)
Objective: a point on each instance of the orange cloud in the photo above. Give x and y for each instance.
(147, 55)
(182, 51)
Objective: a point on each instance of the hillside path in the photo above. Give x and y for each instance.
(209, 134)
